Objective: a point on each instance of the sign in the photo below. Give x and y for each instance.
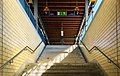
(61, 13)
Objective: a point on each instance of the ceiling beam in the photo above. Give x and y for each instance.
(62, 2)
(60, 27)
(61, 6)
(62, 16)
(67, 9)
(60, 38)
(61, 21)
(64, 24)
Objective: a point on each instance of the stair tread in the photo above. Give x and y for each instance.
(73, 65)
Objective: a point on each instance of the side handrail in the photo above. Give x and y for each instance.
(27, 47)
(95, 47)
(85, 58)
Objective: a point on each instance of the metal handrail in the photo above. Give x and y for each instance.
(39, 19)
(101, 53)
(11, 60)
(86, 60)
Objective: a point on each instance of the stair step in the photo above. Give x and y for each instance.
(72, 71)
(71, 74)
(73, 65)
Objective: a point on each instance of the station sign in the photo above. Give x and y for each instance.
(61, 13)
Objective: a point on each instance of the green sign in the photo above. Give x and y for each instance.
(62, 13)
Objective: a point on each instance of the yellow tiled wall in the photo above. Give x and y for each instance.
(0, 35)
(18, 32)
(104, 33)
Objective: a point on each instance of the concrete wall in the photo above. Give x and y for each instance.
(18, 32)
(104, 33)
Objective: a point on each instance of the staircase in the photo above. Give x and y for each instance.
(74, 65)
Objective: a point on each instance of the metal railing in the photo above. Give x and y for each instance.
(95, 47)
(25, 48)
(85, 58)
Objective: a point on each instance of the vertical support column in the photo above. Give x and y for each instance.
(36, 12)
(86, 12)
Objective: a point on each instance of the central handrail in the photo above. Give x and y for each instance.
(101, 53)
(86, 60)
(27, 47)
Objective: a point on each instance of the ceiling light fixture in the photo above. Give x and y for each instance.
(46, 8)
(62, 33)
(77, 8)
(30, 1)
(93, 1)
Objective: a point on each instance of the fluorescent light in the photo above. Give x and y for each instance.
(61, 33)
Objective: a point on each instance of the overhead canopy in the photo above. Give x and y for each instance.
(61, 15)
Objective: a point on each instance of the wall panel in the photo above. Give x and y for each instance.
(18, 32)
(104, 33)
(1, 31)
